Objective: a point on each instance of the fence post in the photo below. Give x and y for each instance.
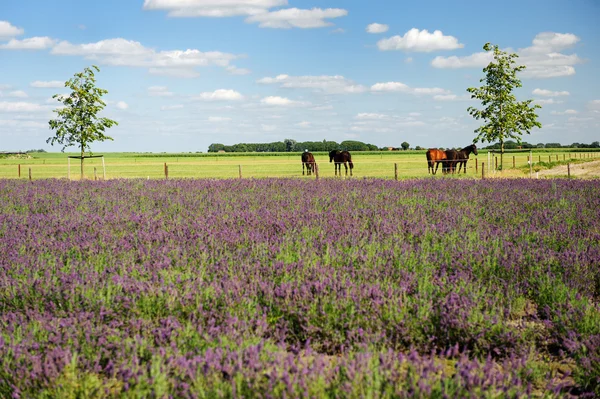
(483, 170)
(166, 171)
(19, 170)
(316, 171)
(549, 158)
(569, 170)
(475, 165)
(29, 174)
(95, 175)
(396, 171)
(513, 161)
(240, 168)
(496, 160)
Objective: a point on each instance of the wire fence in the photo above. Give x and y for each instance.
(484, 165)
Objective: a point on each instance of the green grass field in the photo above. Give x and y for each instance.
(410, 164)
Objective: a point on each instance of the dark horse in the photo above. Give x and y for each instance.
(339, 158)
(308, 160)
(460, 158)
(434, 157)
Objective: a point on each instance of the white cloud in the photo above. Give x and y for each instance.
(20, 106)
(547, 101)
(470, 61)
(297, 18)
(594, 105)
(403, 88)
(218, 119)
(367, 115)
(377, 28)
(445, 97)
(329, 84)
(220, 95)
(304, 124)
(54, 84)
(122, 52)
(543, 59)
(566, 112)
(549, 93)
(282, 102)
(420, 41)
(171, 107)
(159, 91)
(237, 71)
(18, 94)
(268, 128)
(32, 43)
(122, 105)
(8, 31)
(14, 123)
(212, 8)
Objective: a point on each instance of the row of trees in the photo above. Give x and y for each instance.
(513, 145)
(289, 145)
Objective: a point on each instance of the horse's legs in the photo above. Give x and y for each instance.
(346, 167)
(303, 168)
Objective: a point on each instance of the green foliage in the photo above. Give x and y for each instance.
(77, 122)
(405, 145)
(504, 116)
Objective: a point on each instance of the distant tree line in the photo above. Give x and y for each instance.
(289, 145)
(512, 145)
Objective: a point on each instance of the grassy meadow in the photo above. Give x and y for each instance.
(410, 164)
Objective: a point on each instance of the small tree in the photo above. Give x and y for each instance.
(405, 146)
(505, 117)
(77, 122)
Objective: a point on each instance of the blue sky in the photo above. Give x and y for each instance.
(182, 74)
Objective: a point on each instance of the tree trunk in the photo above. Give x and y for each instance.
(82, 154)
(501, 154)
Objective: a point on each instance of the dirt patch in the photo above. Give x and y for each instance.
(586, 170)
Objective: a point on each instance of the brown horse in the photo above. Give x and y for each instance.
(308, 160)
(339, 158)
(434, 157)
(458, 157)
(463, 156)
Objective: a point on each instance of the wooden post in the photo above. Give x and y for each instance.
(396, 171)
(19, 170)
(240, 167)
(316, 171)
(166, 171)
(496, 158)
(549, 158)
(557, 157)
(475, 165)
(104, 169)
(563, 157)
(95, 175)
(539, 158)
(569, 170)
(513, 161)
(29, 174)
(483, 170)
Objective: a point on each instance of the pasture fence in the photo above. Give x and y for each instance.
(391, 167)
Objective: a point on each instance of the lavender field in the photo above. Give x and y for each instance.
(294, 288)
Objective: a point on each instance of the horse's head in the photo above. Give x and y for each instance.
(331, 155)
(474, 147)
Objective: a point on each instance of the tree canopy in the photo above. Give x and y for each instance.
(504, 116)
(77, 122)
